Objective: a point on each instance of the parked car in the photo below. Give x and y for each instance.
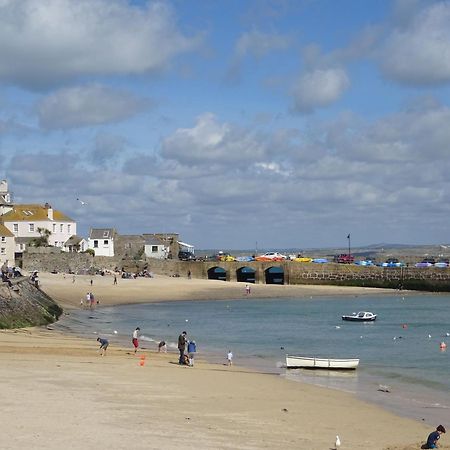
(271, 256)
(344, 258)
(186, 256)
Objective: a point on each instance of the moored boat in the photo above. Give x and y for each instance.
(305, 362)
(362, 316)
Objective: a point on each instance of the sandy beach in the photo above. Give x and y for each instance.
(58, 392)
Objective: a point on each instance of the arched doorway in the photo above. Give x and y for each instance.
(274, 275)
(246, 275)
(217, 273)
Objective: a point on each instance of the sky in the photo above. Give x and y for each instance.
(286, 123)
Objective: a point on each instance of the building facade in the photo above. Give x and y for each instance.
(101, 240)
(7, 247)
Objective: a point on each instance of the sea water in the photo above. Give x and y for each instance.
(399, 353)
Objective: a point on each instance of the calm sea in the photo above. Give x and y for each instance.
(400, 350)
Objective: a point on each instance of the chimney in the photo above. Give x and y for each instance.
(49, 209)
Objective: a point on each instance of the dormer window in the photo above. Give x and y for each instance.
(105, 234)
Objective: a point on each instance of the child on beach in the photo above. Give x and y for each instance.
(434, 437)
(103, 345)
(229, 358)
(162, 347)
(135, 339)
(191, 348)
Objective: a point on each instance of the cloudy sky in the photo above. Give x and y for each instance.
(290, 123)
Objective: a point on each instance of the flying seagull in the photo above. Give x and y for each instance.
(81, 201)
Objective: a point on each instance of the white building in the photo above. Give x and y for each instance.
(75, 244)
(154, 248)
(27, 221)
(7, 246)
(101, 240)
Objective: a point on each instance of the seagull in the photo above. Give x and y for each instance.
(81, 201)
(429, 336)
(384, 388)
(337, 444)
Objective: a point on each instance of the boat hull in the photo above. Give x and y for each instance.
(304, 362)
(359, 319)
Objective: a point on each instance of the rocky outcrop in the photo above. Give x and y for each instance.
(22, 304)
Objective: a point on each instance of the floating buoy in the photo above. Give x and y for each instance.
(442, 345)
(429, 336)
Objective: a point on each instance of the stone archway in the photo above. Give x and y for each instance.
(246, 275)
(274, 275)
(217, 273)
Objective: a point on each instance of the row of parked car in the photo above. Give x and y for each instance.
(343, 258)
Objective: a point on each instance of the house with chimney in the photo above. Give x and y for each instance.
(31, 221)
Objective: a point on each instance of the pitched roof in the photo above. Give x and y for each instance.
(73, 240)
(153, 241)
(5, 232)
(34, 213)
(102, 233)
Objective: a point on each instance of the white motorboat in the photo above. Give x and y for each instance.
(296, 362)
(362, 316)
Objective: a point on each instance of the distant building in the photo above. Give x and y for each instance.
(5, 198)
(7, 247)
(75, 244)
(27, 220)
(101, 240)
(155, 248)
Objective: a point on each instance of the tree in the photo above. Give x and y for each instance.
(42, 240)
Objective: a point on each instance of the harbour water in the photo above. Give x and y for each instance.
(400, 352)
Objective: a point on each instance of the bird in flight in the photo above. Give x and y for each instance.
(81, 201)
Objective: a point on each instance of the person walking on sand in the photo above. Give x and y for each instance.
(247, 289)
(230, 358)
(434, 437)
(103, 345)
(182, 346)
(135, 339)
(115, 279)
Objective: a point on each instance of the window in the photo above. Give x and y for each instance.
(3, 239)
(105, 234)
(31, 227)
(3, 251)
(105, 242)
(61, 227)
(54, 228)
(154, 249)
(95, 244)
(68, 228)
(15, 227)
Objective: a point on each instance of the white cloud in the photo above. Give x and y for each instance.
(86, 105)
(418, 51)
(211, 142)
(319, 88)
(46, 42)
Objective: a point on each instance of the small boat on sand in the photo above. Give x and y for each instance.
(305, 362)
(362, 316)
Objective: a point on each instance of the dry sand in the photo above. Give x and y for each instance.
(57, 392)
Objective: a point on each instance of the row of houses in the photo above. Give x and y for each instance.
(26, 226)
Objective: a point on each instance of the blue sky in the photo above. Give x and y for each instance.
(290, 123)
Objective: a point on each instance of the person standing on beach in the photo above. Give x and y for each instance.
(230, 358)
(103, 345)
(182, 346)
(247, 289)
(135, 339)
(115, 279)
(191, 348)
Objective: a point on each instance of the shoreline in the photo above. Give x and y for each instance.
(216, 406)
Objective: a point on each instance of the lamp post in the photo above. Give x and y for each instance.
(349, 251)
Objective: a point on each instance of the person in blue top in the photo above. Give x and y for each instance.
(191, 348)
(434, 437)
(103, 345)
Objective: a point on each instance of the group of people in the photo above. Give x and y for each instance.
(187, 348)
(90, 301)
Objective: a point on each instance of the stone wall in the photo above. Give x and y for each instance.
(23, 305)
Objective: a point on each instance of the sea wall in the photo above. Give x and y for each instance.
(22, 304)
